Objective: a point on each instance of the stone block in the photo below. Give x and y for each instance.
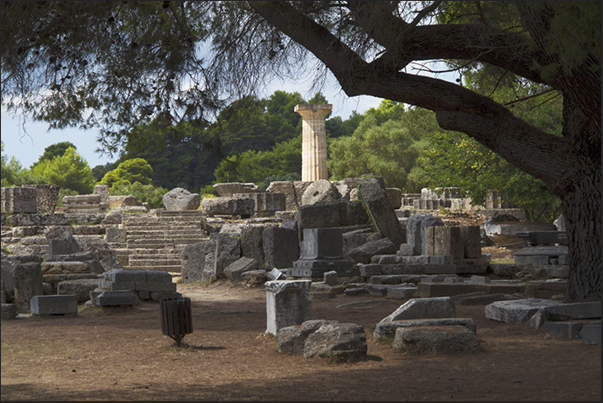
(227, 251)
(113, 234)
(180, 199)
(394, 195)
(320, 191)
(53, 304)
(323, 215)
(229, 189)
(228, 206)
(251, 242)
(155, 286)
(337, 341)
(563, 312)
(265, 203)
(423, 308)
(288, 189)
(288, 303)
(448, 339)
(115, 298)
(539, 255)
(79, 288)
(380, 210)
(193, 262)
(591, 333)
(516, 311)
(471, 239)
(291, 339)
(401, 292)
(126, 275)
(19, 200)
(387, 330)
(28, 283)
(357, 214)
(416, 232)
(322, 243)
(364, 253)
(566, 330)
(158, 276)
(103, 192)
(235, 270)
(281, 247)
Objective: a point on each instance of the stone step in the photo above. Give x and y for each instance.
(153, 262)
(164, 232)
(159, 227)
(168, 268)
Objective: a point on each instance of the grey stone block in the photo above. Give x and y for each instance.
(155, 286)
(158, 276)
(423, 308)
(126, 275)
(235, 270)
(453, 339)
(115, 298)
(281, 247)
(28, 283)
(382, 214)
(79, 288)
(53, 304)
(323, 215)
(516, 311)
(568, 330)
(387, 330)
(288, 303)
(228, 250)
(251, 242)
(591, 333)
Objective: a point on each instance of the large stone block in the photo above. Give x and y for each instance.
(380, 210)
(252, 244)
(337, 341)
(394, 195)
(19, 200)
(323, 215)
(53, 304)
(423, 308)
(364, 253)
(229, 189)
(235, 270)
(28, 283)
(227, 251)
(447, 340)
(288, 303)
(320, 191)
(416, 231)
(288, 189)
(180, 199)
(322, 243)
(61, 241)
(445, 241)
(281, 247)
(471, 239)
(47, 196)
(193, 261)
(228, 206)
(387, 330)
(516, 311)
(80, 289)
(265, 203)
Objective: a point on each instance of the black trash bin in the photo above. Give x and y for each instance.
(176, 318)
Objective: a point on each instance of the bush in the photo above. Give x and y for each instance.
(143, 193)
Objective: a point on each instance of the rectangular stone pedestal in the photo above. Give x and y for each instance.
(288, 303)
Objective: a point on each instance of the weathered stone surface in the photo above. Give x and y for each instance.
(53, 304)
(19, 200)
(228, 189)
(251, 242)
(78, 288)
(394, 195)
(291, 339)
(281, 247)
(61, 241)
(180, 199)
(323, 215)
(235, 270)
(8, 278)
(357, 214)
(567, 330)
(446, 340)
(193, 261)
(387, 330)
(228, 250)
(444, 241)
(423, 308)
(337, 341)
(288, 303)
(47, 196)
(103, 192)
(563, 312)
(516, 311)
(228, 206)
(28, 283)
(288, 189)
(320, 191)
(364, 253)
(115, 298)
(380, 210)
(591, 333)
(117, 235)
(266, 204)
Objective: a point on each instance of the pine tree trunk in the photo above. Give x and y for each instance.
(582, 211)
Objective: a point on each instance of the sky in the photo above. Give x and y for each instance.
(26, 139)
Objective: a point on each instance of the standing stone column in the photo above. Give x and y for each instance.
(314, 141)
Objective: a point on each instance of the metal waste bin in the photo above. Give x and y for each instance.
(176, 318)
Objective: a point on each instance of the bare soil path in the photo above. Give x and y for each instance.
(124, 356)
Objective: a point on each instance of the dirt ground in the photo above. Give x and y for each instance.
(124, 356)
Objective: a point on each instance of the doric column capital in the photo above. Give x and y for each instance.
(313, 111)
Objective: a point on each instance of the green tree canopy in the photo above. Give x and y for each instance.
(54, 150)
(129, 172)
(69, 171)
